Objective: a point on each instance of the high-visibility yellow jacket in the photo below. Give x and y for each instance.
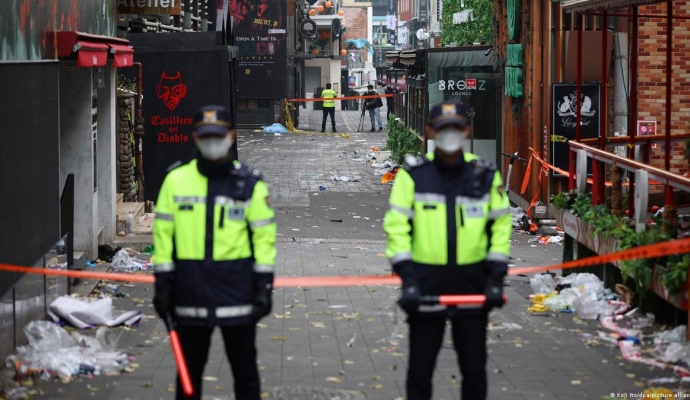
(448, 222)
(329, 94)
(214, 238)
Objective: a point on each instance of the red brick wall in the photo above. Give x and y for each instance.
(652, 79)
(356, 22)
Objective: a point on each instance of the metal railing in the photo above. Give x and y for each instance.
(643, 174)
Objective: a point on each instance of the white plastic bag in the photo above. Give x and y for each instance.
(45, 335)
(542, 284)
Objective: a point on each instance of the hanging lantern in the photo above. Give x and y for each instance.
(329, 4)
(341, 13)
(312, 12)
(343, 52)
(320, 8)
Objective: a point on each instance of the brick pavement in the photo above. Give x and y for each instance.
(351, 343)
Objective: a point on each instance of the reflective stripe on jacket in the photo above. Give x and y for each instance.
(215, 243)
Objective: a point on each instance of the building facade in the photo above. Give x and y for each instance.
(58, 67)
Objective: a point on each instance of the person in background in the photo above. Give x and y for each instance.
(389, 101)
(448, 228)
(215, 236)
(373, 105)
(328, 107)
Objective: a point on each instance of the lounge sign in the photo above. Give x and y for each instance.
(157, 7)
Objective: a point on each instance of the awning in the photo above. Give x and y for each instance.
(92, 50)
(123, 56)
(590, 5)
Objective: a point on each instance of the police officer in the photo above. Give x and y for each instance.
(214, 236)
(448, 230)
(328, 107)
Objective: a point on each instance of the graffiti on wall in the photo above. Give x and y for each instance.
(26, 25)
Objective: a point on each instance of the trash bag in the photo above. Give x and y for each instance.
(106, 252)
(542, 284)
(45, 335)
(275, 128)
(123, 262)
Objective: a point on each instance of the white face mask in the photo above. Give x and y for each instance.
(450, 140)
(214, 148)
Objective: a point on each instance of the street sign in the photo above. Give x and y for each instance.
(307, 28)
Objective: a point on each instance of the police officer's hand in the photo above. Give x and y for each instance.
(494, 294)
(163, 303)
(263, 303)
(409, 298)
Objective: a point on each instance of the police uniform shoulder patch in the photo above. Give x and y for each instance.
(488, 165)
(411, 162)
(256, 173)
(174, 165)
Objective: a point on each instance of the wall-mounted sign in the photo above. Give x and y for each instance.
(307, 28)
(646, 128)
(463, 17)
(423, 13)
(156, 7)
(564, 118)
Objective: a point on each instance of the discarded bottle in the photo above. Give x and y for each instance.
(111, 288)
(129, 224)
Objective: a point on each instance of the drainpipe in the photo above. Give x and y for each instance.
(621, 89)
(139, 131)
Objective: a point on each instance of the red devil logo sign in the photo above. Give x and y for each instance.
(171, 90)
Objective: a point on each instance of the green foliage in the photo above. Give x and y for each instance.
(480, 30)
(401, 140)
(641, 271)
(128, 84)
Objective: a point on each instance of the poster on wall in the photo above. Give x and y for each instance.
(176, 90)
(563, 118)
(261, 36)
(27, 26)
(646, 128)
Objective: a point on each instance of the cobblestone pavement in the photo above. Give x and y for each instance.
(351, 343)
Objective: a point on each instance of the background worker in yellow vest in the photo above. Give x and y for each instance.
(448, 230)
(214, 236)
(328, 107)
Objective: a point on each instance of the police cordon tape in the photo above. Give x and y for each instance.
(662, 249)
(338, 98)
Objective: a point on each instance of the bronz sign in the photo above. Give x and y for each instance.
(564, 117)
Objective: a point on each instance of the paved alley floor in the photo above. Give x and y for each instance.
(351, 343)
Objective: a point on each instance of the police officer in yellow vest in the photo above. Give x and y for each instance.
(214, 236)
(448, 230)
(328, 107)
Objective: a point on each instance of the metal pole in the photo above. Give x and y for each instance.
(603, 120)
(578, 93)
(632, 126)
(669, 82)
(471, 130)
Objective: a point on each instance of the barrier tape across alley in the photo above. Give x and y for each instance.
(371, 96)
(668, 248)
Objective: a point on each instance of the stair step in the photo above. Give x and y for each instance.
(123, 209)
(119, 197)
